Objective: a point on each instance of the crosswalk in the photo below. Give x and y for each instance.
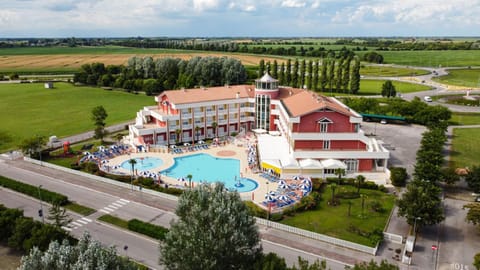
(114, 206)
(107, 210)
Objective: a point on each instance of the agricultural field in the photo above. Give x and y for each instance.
(66, 59)
(453, 58)
(387, 71)
(461, 77)
(30, 109)
(465, 148)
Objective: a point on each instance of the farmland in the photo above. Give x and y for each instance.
(29, 109)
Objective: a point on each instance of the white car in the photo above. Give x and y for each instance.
(427, 99)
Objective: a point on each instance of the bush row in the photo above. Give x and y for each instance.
(154, 231)
(34, 191)
(352, 182)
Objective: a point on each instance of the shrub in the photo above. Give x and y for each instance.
(376, 206)
(34, 191)
(256, 210)
(398, 176)
(154, 231)
(347, 195)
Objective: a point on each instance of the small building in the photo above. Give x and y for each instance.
(48, 85)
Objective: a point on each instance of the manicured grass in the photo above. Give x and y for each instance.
(374, 87)
(387, 71)
(465, 118)
(461, 77)
(30, 109)
(451, 58)
(334, 220)
(80, 209)
(465, 148)
(114, 221)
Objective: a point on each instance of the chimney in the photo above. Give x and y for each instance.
(237, 95)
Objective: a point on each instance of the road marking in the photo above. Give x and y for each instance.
(117, 205)
(108, 209)
(77, 224)
(82, 221)
(104, 211)
(123, 200)
(86, 219)
(67, 228)
(113, 206)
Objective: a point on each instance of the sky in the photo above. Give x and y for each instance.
(239, 18)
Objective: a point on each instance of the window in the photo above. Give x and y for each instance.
(326, 144)
(323, 127)
(352, 165)
(329, 171)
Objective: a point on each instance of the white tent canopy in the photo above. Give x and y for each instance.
(310, 163)
(333, 164)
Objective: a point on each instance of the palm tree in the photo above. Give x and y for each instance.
(333, 187)
(132, 162)
(360, 181)
(197, 129)
(214, 126)
(339, 172)
(363, 196)
(349, 206)
(177, 138)
(189, 177)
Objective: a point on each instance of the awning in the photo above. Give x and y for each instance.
(310, 164)
(289, 163)
(333, 164)
(272, 164)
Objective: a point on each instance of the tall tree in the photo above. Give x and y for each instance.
(58, 216)
(261, 68)
(346, 74)
(473, 179)
(309, 81)
(303, 66)
(288, 73)
(355, 78)
(295, 73)
(323, 75)
(331, 74)
(315, 75)
(360, 180)
(268, 67)
(33, 146)
(214, 230)
(99, 114)
(275, 69)
(87, 254)
(388, 89)
(281, 74)
(339, 75)
(421, 202)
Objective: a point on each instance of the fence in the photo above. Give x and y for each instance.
(98, 178)
(318, 236)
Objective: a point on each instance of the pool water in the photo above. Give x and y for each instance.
(143, 164)
(206, 168)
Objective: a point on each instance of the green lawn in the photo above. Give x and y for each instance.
(452, 58)
(387, 71)
(465, 118)
(82, 210)
(461, 77)
(335, 222)
(29, 109)
(114, 221)
(374, 87)
(465, 147)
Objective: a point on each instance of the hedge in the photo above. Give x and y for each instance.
(33, 191)
(154, 231)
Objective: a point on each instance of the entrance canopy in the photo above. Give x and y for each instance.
(333, 164)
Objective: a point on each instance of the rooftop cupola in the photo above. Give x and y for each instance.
(267, 86)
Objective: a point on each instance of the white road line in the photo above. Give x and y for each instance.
(108, 209)
(82, 221)
(117, 205)
(123, 200)
(104, 211)
(77, 224)
(67, 228)
(86, 219)
(113, 206)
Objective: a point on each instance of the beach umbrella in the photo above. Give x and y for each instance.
(86, 153)
(303, 186)
(283, 197)
(296, 177)
(181, 179)
(269, 198)
(116, 167)
(105, 161)
(282, 186)
(282, 182)
(272, 192)
(306, 182)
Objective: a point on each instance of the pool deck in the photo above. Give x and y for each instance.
(225, 151)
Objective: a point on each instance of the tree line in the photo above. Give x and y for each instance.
(339, 74)
(155, 75)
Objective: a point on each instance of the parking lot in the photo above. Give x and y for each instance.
(401, 140)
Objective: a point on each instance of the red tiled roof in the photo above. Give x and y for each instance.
(209, 94)
(305, 102)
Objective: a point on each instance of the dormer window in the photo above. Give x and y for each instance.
(324, 122)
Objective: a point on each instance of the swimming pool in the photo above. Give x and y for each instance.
(143, 164)
(206, 168)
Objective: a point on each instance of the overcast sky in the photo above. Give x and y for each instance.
(217, 18)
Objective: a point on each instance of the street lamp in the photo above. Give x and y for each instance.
(40, 213)
(415, 225)
(268, 205)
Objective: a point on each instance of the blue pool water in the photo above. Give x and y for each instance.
(206, 168)
(143, 164)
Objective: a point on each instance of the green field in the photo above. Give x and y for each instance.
(335, 222)
(465, 119)
(85, 50)
(453, 58)
(374, 87)
(461, 77)
(30, 109)
(387, 71)
(465, 148)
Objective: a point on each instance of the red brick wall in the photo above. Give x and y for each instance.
(365, 165)
(347, 145)
(341, 123)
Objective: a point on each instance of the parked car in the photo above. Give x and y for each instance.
(427, 99)
(383, 121)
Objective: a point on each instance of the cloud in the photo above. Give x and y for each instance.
(293, 4)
